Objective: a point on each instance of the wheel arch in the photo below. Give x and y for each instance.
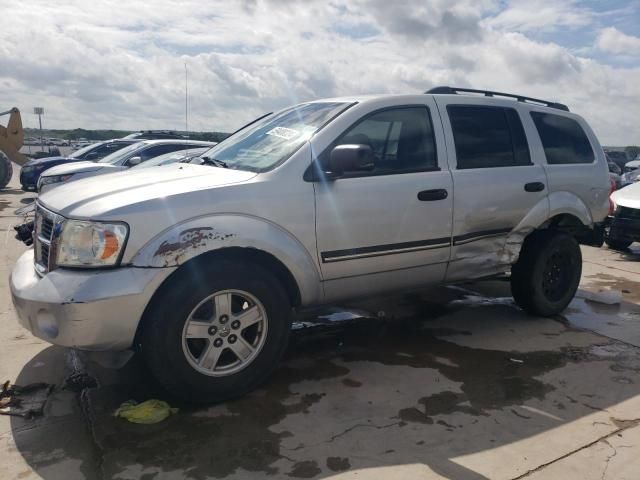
(190, 269)
(249, 237)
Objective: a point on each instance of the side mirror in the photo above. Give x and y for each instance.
(133, 161)
(351, 158)
(91, 155)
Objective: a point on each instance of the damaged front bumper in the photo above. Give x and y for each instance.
(86, 309)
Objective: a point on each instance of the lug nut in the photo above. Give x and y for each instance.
(232, 338)
(235, 324)
(212, 330)
(217, 342)
(223, 319)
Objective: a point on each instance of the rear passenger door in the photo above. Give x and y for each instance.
(496, 183)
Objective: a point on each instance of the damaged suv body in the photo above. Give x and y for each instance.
(199, 267)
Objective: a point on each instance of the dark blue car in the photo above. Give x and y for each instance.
(31, 171)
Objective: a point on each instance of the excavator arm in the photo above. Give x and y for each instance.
(11, 141)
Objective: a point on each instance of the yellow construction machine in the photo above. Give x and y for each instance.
(11, 141)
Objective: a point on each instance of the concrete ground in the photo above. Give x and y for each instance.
(447, 383)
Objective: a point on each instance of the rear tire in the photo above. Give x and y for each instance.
(547, 274)
(190, 346)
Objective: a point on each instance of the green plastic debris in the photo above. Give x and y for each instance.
(147, 412)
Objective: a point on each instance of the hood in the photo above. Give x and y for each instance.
(628, 196)
(75, 167)
(43, 161)
(114, 193)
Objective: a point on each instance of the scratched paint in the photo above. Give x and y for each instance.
(191, 238)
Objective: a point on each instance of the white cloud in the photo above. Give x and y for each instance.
(109, 67)
(534, 15)
(612, 40)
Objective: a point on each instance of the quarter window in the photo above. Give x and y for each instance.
(563, 139)
(402, 140)
(488, 137)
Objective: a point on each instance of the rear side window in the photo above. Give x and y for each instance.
(487, 137)
(563, 139)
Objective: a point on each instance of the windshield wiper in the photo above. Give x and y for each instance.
(214, 161)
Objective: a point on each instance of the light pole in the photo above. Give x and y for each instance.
(186, 100)
(39, 111)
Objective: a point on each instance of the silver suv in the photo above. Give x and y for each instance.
(199, 266)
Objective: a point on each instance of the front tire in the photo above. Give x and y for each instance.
(547, 274)
(216, 331)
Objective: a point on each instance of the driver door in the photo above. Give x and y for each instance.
(389, 227)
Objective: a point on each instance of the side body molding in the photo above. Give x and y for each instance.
(187, 240)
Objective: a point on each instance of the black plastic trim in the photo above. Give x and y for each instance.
(473, 236)
(489, 93)
(388, 249)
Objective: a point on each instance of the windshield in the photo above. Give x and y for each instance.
(172, 157)
(266, 143)
(120, 154)
(83, 150)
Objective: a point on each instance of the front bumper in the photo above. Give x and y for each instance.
(85, 309)
(624, 228)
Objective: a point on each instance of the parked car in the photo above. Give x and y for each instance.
(618, 157)
(631, 177)
(613, 167)
(156, 135)
(132, 155)
(173, 157)
(199, 267)
(31, 171)
(624, 224)
(631, 166)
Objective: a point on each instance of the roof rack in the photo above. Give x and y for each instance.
(489, 93)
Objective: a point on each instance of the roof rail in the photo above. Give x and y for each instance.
(489, 93)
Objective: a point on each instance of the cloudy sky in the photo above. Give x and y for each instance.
(115, 64)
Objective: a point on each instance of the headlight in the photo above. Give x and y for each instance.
(53, 179)
(91, 244)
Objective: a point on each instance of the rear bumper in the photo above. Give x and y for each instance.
(84, 309)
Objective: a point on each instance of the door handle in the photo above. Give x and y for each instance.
(534, 187)
(432, 195)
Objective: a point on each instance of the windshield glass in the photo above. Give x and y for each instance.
(120, 154)
(172, 157)
(83, 150)
(264, 144)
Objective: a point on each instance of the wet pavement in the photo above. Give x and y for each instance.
(452, 382)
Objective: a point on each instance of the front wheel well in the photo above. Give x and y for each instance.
(250, 255)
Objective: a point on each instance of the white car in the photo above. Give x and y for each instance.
(631, 166)
(199, 267)
(624, 225)
(123, 159)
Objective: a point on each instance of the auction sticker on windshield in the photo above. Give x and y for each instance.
(283, 132)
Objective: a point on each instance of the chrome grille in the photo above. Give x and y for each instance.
(44, 234)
